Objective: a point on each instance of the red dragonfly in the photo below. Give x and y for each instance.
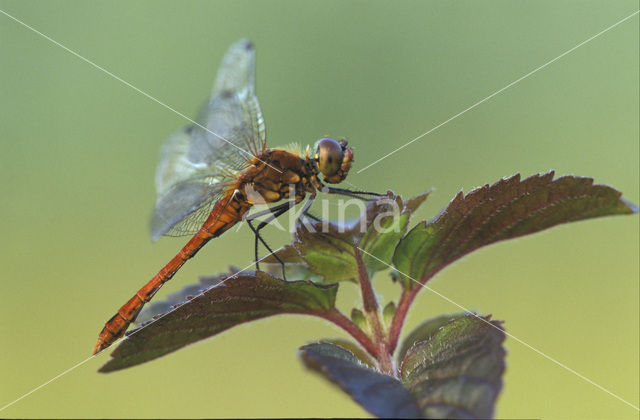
(211, 173)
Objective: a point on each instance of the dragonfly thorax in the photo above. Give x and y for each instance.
(278, 174)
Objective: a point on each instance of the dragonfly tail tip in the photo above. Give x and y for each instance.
(98, 348)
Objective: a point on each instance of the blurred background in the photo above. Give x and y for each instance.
(78, 155)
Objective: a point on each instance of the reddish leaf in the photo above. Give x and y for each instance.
(425, 331)
(236, 300)
(156, 309)
(504, 210)
(380, 394)
(456, 372)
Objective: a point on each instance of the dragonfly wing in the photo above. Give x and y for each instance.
(187, 187)
(234, 124)
(199, 163)
(237, 70)
(181, 159)
(234, 130)
(184, 208)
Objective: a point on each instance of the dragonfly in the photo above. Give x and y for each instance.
(211, 173)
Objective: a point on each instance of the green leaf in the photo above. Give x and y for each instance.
(404, 281)
(329, 253)
(358, 318)
(230, 302)
(323, 253)
(326, 250)
(388, 223)
(296, 267)
(388, 313)
(379, 394)
(457, 371)
(507, 209)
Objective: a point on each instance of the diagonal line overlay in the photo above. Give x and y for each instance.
(361, 170)
(498, 91)
(153, 98)
(133, 333)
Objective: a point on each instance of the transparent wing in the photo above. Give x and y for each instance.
(187, 189)
(184, 216)
(198, 165)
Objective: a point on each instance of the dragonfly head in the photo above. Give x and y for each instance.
(333, 159)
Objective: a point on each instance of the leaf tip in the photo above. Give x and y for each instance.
(633, 207)
(412, 204)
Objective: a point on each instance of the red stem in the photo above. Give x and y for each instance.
(346, 324)
(403, 308)
(371, 307)
(401, 312)
(370, 303)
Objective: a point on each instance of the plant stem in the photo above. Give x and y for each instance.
(346, 324)
(398, 318)
(370, 303)
(408, 295)
(372, 312)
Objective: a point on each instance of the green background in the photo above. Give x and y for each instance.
(78, 153)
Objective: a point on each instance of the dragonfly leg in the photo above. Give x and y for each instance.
(273, 213)
(312, 217)
(307, 206)
(354, 194)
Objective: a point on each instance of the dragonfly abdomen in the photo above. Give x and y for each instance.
(226, 213)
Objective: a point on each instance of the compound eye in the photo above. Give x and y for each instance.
(329, 156)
